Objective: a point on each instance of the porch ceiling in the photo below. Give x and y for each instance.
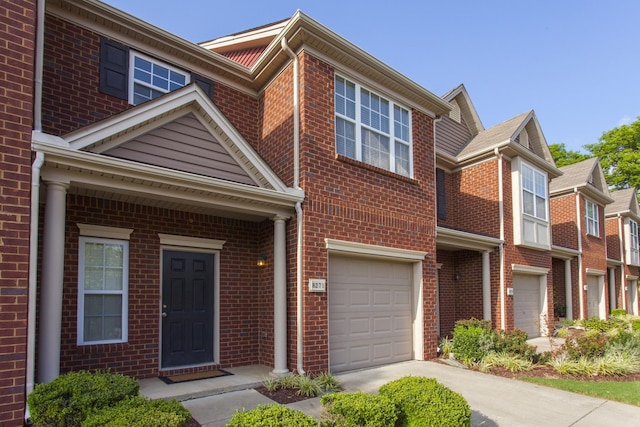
(455, 240)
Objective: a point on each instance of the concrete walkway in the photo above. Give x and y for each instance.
(495, 401)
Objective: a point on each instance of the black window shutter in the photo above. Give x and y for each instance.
(440, 193)
(114, 69)
(205, 84)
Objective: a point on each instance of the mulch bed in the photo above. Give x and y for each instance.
(282, 395)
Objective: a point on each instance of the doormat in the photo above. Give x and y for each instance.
(174, 379)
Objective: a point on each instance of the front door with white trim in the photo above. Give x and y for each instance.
(187, 308)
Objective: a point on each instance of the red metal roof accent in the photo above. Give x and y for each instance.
(246, 57)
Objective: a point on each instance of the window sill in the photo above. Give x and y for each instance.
(101, 347)
(375, 169)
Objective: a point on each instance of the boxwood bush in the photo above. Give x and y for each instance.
(141, 412)
(359, 409)
(472, 340)
(70, 398)
(271, 416)
(424, 402)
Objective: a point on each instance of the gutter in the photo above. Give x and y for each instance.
(34, 217)
(580, 278)
(622, 262)
(299, 213)
(503, 321)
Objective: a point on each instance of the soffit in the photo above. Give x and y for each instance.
(455, 240)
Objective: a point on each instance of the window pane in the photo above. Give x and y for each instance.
(527, 178)
(93, 278)
(160, 71)
(541, 208)
(375, 149)
(161, 82)
(142, 64)
(113, 279)
(93, 305)
(541, 185)
(112, 304)
(345, 138)
(527, 203)
(112, 327)
(113, 256)
(94, 254)
(142, 76)
(178, 79)
(402, 159)
(92, 328)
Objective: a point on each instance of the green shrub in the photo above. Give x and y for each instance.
(141, 412)
(618, 312)
(308, 387)
(446, 346)
(513, 363)
(271, 416)
(589, 345)
(328, 382)
(514, 343)
(635, 325)
(423, 402)
(594, 323)
(472, 340)
(359, 409)
(608, 365)
(70, 398)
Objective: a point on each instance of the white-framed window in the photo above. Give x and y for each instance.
(372, 129)
(634, 247)
(592, 218)
(151, 78)
(530, 205)
(103, 272)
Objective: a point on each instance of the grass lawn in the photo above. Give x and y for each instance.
(625, 392)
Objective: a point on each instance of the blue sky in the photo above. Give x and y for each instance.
(575, 62)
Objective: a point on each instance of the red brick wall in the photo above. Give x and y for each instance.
(472, 199)
(245, 291)
(71, 96)
(17, 32)
(348, 200)
(613, 238)
(564, 229)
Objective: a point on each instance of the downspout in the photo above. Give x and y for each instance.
(503, 321)
(580, 279)
(296, 184)
(622, 263)
(35, 203)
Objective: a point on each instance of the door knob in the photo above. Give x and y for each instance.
(164, 314)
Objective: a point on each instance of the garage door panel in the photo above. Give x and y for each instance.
(370, 306)
(527, 304)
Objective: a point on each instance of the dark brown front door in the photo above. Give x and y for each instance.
(187, 308)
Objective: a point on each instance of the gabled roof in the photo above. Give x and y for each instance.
(507, 136)
(586, 176)
(467, 109)
(298, 33)
(177, 151)
(624, 202)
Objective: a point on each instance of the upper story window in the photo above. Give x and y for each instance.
(372, 129)
(634, 247)
(441, 194)
(530, 205)
(592, 219)
(136, 78)
(151, 78)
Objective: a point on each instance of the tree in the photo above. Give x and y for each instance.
(564, 157)
(619, 154)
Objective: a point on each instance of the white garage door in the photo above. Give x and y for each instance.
(526, 304)
(370, 320)
(595, 296)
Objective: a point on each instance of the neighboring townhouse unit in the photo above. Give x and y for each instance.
(266, 198)
(578, 200)
(494, 230)
(623, 256)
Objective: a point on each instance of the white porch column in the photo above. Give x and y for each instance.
(567, 289)
(49, 326)
(612, 289)
(279, 297)
(486, 286)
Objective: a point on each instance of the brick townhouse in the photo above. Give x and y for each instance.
(494, 226)
(578, 200)
(266, 198)
(276, 197)
(623, 260)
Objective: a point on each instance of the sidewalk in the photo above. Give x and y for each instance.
(494, 401)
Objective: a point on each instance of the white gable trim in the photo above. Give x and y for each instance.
(162, 110)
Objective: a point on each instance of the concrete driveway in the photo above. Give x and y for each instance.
(495, 401)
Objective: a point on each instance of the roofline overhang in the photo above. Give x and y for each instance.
(592, 193)
(67, 165)
(614, 262)
(448, 238)
(628, 213)
(511, 149)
